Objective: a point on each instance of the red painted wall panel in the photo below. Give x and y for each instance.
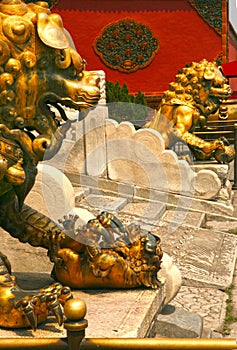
(182, 33)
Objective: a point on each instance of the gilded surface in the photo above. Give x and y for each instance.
(39, 68)
(106, 254)
(196, 93)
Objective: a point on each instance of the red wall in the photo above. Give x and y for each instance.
(182, 34)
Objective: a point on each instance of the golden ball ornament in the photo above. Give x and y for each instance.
(75, 309)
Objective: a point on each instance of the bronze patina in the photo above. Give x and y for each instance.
(39, 68)
(197, 93)
(106, 254)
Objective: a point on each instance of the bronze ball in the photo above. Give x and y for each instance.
(75, 309)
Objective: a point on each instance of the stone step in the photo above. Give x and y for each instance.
(145, 210)
(206, 258)
(100, 203)
(209, 303)
(110, 313)
(121, 313)
(223, 226)
(175, 322)
(134, 192)
(184, 217)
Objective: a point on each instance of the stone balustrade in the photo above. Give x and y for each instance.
(103, 148)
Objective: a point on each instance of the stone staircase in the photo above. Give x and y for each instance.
(202, 245)
(197, 237)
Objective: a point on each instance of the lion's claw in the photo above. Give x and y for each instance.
(20, 309)
(109, 220)
(60, 263)
(54, 245)
(27, 307)
(53, 305)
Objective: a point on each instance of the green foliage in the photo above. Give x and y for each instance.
(219, 62)
(50, 2)
(124, 106)
(230, 316)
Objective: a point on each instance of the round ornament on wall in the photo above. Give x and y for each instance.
(126, 45)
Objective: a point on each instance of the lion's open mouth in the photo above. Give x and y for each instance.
(223, 92)
(54, 120)
(62, 109)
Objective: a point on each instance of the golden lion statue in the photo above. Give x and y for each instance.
(197, 92)
(39, 68)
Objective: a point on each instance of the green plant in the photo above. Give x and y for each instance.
(230, 316)
(50, 2)
(124, 106)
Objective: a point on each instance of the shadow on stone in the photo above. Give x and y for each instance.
(168, 310)
(33, 280)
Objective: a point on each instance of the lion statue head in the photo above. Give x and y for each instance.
(196, 93)
(39, 68)
(200, 85)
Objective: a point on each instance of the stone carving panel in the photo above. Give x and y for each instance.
(204, 257)
(139, 157)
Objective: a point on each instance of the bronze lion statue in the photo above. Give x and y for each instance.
(39, 68)
(196, 93)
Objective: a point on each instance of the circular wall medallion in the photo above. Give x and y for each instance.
(126, 46)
